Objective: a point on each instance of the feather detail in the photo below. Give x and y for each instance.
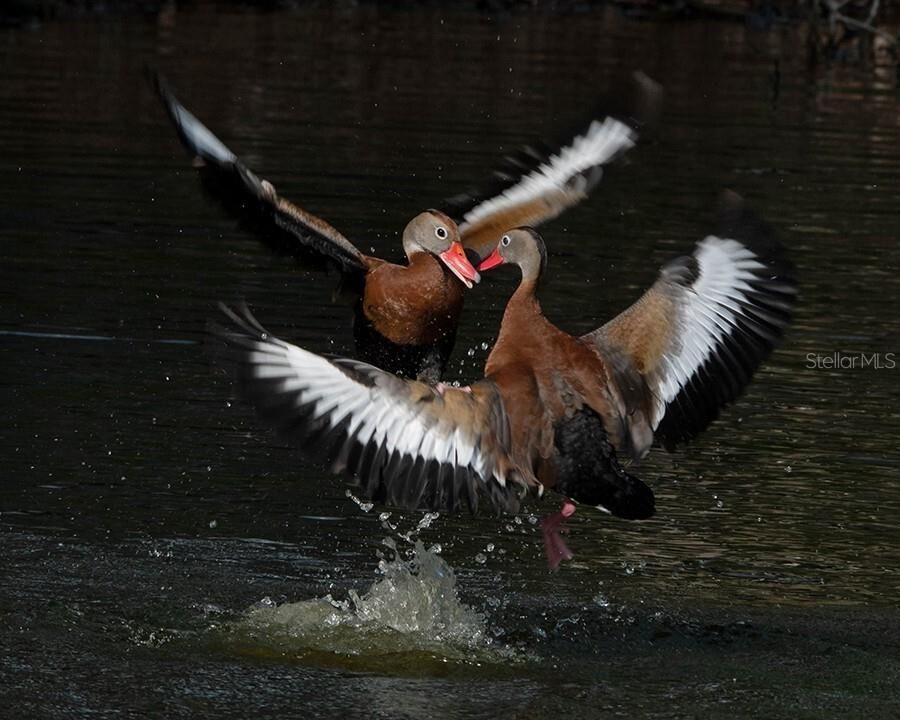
(402, 440)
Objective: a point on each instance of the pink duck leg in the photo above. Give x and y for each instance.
(554, 545)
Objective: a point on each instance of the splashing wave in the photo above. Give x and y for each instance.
(411, 613)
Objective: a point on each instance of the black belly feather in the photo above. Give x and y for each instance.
(588, 471)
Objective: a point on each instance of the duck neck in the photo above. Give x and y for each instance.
(422, 260)
(520, 319)
(524, 303)
(435, 281)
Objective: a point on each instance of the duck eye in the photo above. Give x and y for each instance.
(441, 232)
(504, 241)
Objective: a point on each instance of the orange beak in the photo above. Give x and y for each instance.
(491, 261)
(455, 259)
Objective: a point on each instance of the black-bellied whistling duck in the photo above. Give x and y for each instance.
(406, 315)
(553, 410)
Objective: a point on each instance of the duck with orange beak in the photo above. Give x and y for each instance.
(407, 315)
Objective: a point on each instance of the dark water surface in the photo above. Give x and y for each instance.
(161, 554)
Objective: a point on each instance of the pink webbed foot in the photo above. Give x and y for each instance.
(552, 527)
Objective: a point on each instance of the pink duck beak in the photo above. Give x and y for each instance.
(455, 259)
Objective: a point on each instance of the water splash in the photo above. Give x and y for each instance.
(411, 614)
(418, 596)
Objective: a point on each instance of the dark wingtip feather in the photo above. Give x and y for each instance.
(735, 219)
(242, 320)
(194, 135)
(647, 101)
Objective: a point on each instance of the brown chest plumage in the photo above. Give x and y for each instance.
(416, 304)
(545, 377)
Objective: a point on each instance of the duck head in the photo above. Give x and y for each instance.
(435, 233)
(523, 247)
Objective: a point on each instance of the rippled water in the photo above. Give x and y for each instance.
(162, 553)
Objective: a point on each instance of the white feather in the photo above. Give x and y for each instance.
(205, 143)
(600, 144)
(379, 411)
(708, 311)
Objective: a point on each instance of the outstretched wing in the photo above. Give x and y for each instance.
(536, 187)
(406, 443)
(280, 223)
(700, 332)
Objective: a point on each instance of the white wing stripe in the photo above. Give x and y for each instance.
(374, 417)
(366, 427)
(387, 427)
(205, 143)
(600, 144)
(709, 311)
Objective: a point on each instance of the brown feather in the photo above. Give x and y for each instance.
(483, 235)
(543, 380)
(416, 304)
(297, 215)
(645, 328)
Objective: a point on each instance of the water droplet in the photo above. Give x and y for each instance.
(426, 521)
(490, 547)
(213, 524)
(481, 558)
(787, 468)
(208, 609)
(364, 506)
